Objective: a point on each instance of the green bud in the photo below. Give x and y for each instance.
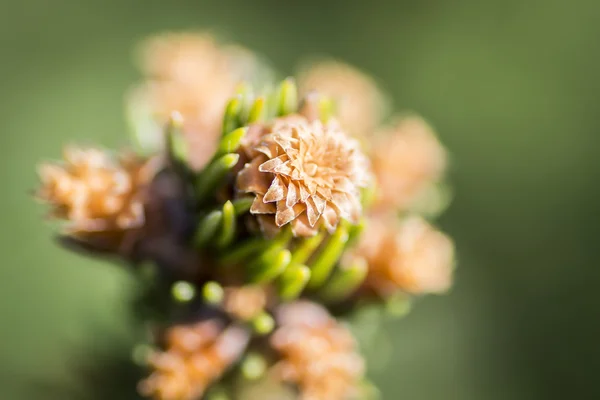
(326, 109)
(183, 291)
(227, 233)
(246, 92)
(212, 292)
(263, 323)
(214, 174)
(242, 205)
(345, 280)
(207, 228)
(306, 247)
(270, 267)
(176, 143)
(258, 111)
(269, 254)
(288, 97)
(244, 251)
(231, 141)
(354, 231)
(231, 119)
(329, 256)
(292, 281)
(253, 366)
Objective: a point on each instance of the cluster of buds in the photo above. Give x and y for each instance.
(318, 353)
(195, 356)
(265, 217)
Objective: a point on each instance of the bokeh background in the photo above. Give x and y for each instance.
(512, 87)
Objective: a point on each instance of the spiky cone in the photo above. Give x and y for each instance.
(195, 357)
(101, 197)
(318, 355)
(306, 174)
(407, 158)
(360, 104)
(410, 257)
(190, 73)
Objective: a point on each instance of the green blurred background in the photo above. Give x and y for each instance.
(512, 87)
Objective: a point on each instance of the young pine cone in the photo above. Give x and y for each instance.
(304, 173)
(195, 357)
(406, 159)
(412, 257)
(101, 197)
(318, 355)
(192, 74)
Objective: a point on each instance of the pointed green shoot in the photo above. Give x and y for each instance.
(183, 291)
(231, 119)
(292, 281)
(263, 323)
(257, 111)
(207, 228)
(269, 266)
(176, 144)
(326, 108)
(305, 249)
(355, 230)
(225, 236)
(328, 257)
(231, 141)
(288, 97)
(283, 238)
(246, 92)
(212, 292)
(242, 205)
(214, 174)
(244, 251)
(345, 280)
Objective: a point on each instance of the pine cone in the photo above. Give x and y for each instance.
(304, 173)
(318, 354)
(194, 358)
(99, 196)
(412, 257)
(406, 159)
